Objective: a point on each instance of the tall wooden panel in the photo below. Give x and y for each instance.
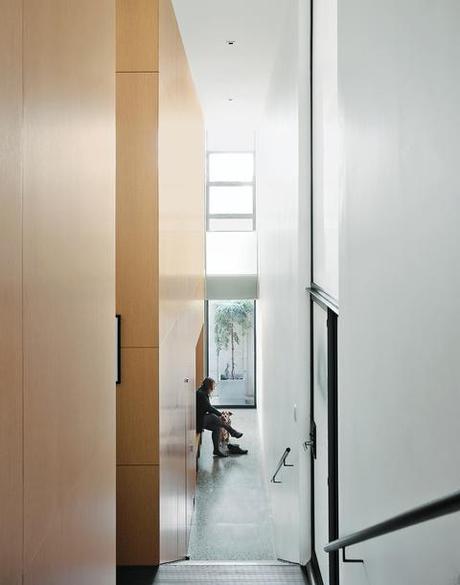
(137, 407)
(10, 295)
(69, 393)
(137, 35)
(181, 262)
(160, 281)
(137, 208)
(137, 281)
(137, 514)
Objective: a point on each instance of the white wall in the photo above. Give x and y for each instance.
(325, 148)
(283, 327)
(231, 138)
(399, 93)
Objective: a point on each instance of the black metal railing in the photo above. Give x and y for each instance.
(281, 464)
(436, 509)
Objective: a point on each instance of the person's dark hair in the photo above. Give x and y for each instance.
(207, 385)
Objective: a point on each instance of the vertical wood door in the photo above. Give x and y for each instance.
(69, 290)
(181, 275)
(137, 208)
(137, 281)
(10, 295)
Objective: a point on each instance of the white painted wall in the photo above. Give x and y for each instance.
(399, 393)
(284, 255)
(237, 138)
(325, 148)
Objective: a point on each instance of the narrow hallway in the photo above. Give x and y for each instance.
(232, 519)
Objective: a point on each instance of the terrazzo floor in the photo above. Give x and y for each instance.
(232, 519)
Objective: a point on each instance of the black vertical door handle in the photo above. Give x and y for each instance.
(118, 379)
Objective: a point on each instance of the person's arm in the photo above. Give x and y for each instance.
(211, 409)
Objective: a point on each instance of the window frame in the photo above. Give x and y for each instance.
(207, 348)
(251, 184)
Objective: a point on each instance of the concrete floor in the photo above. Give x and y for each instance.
(232, 519)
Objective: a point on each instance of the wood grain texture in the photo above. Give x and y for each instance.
(69, 196)
(181, 273)
(137, 407)
(181, 206)
(137, 514)
(10, 295)
(137, 35)
(137, 279)
(137, 208)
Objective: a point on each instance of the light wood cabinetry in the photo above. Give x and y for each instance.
(137, 208)
(137, 282)
(181, 265)
(137, 514)
(69, 285)
(11, 484)
(137, 35)
(160, 281)
(137, 407)
(57, 401)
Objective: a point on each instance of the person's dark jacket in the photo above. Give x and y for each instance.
(203, 406)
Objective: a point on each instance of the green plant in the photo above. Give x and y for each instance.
(229, 318)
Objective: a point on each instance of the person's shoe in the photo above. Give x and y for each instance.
(236, 450)
(219, 454)
(237, 435)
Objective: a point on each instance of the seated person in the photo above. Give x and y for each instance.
(209, 418)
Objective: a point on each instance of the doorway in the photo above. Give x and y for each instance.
(231, 352)
(323, 439)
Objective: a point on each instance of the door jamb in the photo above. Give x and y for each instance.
(332, 415)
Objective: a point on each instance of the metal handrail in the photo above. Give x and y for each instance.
(281, 464)
(436, 509)
(318, 294)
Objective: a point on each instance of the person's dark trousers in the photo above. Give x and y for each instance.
(212, 422)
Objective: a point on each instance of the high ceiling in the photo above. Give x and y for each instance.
(231, 79)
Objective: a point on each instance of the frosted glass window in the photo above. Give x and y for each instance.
(230, 225)
(231, 200)
(226, 166)
(326, 148)
(230, 253)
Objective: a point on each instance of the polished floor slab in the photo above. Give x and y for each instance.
(232, 518)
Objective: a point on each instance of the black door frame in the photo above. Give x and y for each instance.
(206, 357)
(322, 300)
(319, 296)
